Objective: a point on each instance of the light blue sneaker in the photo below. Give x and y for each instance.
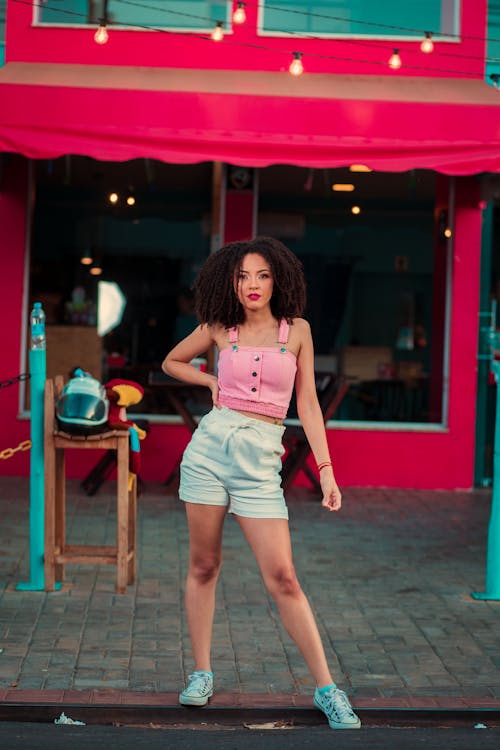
(335, 705)
(199, 689)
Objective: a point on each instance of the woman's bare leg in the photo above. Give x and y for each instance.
(269, 539)
(205, 523)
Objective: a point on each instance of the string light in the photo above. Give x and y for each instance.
(218, 33)
(296, 68)
(240, 15)
(395, 60)
(427, 45)
(101, 36)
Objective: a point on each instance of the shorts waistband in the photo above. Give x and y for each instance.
(233, 418)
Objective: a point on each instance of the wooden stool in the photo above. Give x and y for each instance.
(57, 552)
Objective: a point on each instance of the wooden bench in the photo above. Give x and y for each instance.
(57, 552)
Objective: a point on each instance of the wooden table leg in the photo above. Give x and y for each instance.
(50, 514)
(122, 515)
(132, 532)
(60, 510)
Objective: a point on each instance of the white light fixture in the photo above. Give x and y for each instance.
(113, 197)
(395, 60)
(427, 45)
(355, 210)
(111, 304)
(240, 15)
(296, 68)
(101, 36)
(343, 187)
(218, 33)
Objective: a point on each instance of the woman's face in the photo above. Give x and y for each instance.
(254, 282)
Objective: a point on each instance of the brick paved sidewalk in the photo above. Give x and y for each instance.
(389, 580)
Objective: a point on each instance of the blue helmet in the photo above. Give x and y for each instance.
(82, 408)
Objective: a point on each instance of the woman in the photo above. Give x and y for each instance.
(249, 299)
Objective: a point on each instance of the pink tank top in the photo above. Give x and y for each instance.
(257, 379)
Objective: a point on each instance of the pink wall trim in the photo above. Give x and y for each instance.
(45, 44)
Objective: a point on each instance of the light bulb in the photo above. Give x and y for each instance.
(355, 210)
(240, 15)
(427, 45)
(395, 60)
(447, 233)
(131, 200)
(86, 259)
(101, 36)
(96, 270)
(113, 197)
(296, 68)
(218, 33)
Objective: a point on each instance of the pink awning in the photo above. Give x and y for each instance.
(250, 118)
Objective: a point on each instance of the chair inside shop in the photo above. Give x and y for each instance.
(331, 390)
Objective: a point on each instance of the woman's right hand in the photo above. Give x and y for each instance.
(214, 388)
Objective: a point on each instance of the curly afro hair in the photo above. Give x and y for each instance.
(216, 300)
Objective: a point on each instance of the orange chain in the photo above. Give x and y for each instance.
(9, 452)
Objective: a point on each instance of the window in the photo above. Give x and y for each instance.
(370, 278)
(2, 31)
(493, 48)
(171, 14)
(152, 249)
(367, 18)
(375, 296)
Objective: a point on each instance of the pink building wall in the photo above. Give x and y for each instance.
(383, 457)
(26, 43)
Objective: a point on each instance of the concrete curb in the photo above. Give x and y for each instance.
(132, 708)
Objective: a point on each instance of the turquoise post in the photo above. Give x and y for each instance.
(493, 552)
(38, 371)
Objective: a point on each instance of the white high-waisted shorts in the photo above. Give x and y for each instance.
(234, 460)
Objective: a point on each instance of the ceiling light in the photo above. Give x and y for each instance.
(86, 259)
(131, 200)
(343, 187)
(359, 168)
(355, 210)
(113, 197)
(96, 270)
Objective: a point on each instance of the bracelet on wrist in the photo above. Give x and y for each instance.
(323, 465)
